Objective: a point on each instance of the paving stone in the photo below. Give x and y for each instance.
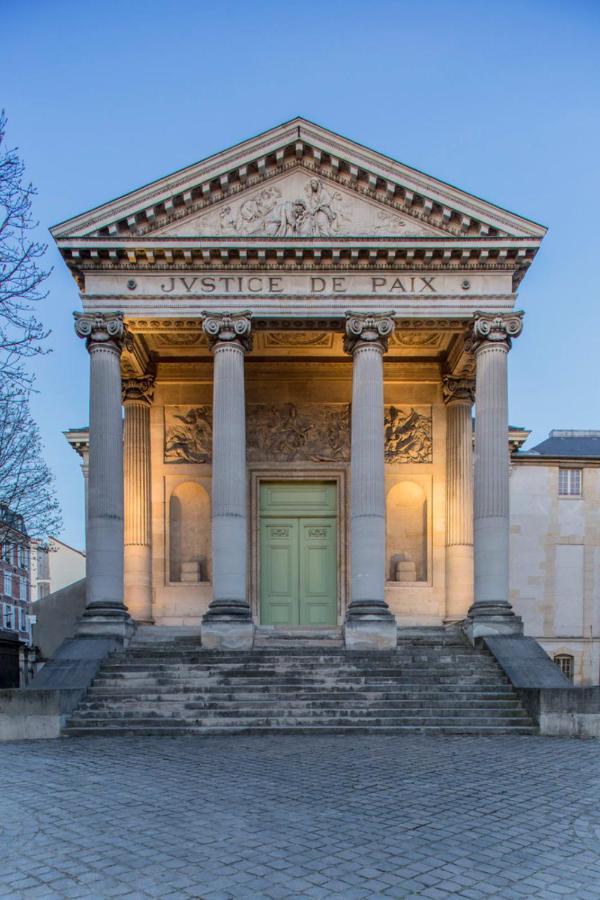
(300, 816)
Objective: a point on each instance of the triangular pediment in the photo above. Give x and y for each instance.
(298, 204)
(262, 188)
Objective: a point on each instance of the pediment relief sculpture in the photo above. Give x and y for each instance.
(298, 205)
(408, 435)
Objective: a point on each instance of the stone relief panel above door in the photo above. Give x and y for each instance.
(297, 432)
(299, 205)
(311, 432)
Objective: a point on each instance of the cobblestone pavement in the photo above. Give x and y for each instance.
(300, 816)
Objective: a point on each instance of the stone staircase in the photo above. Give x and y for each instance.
(434, 682)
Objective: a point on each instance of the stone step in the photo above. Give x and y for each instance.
(207, 724)
(302, 714)
(170, 731)
(433, 682)
(134, 703)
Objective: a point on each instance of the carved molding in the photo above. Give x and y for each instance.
(494, 329)
(296, 339)
(458, 389)
(363, 328)
(102, 328)
(408, 435)
(227, 327)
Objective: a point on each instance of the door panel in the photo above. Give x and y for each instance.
(318, 571)
(298, 553)
(279, 572)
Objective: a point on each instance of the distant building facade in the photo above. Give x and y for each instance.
(54, 565)
(15, 624)
(555, 548)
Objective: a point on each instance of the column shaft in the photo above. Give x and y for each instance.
(491, 525)
(368, 486)
(105, 613)
(229, 488)
(229, 335)
(369, 624)
(138, 540)
(459, 498)
(491, 612)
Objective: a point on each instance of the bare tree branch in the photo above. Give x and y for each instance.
(21, 277)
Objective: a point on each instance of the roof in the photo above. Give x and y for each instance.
(568, 444)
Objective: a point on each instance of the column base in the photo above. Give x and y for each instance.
(109, 622)
(219, 634)
(376, 633)
(488, 619)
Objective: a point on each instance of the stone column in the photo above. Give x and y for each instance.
(137, 397)
(459, 394)
(369, 623)
(106, 613)
(491, 613)
(228, 623)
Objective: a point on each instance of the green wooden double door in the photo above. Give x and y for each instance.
(298, 553)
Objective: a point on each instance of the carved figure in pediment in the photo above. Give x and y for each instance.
(188, 435)
(407, 436)
(321, 214)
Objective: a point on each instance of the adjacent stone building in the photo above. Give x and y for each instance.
(297, 329)
(555, 548)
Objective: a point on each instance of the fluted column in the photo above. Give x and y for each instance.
(458, 396)
(228, 622)
(491, 612)
(369, 623)
(106, 613)
(137, 397)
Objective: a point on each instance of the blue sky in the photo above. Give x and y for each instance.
(502, 100)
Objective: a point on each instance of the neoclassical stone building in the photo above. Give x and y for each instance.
(297, 329)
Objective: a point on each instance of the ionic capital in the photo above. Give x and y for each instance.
(102, 329)
(458, 389)
(138, 389)
(368, 328)
(228, 328)
(494, 328)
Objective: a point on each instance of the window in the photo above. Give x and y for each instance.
(565, 663)
(569, 482)
(8, 616)
(6, 552)
(22, 620)
(8, 584)
(22, 588)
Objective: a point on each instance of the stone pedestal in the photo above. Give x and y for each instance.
(105, 613)
(459, 395)
(369, 623)
(491, 612)
(228, 623)
(137, 395)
